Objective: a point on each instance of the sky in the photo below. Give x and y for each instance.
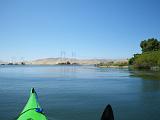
(111, 29)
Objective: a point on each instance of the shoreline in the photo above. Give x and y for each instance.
(113, 66)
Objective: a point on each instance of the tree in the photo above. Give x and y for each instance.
(132, 60)
(150, 45)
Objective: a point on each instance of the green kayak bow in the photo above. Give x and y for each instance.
(32, 110)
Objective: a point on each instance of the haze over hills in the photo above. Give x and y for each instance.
(53, 61)
(3, 62)
(58, 60)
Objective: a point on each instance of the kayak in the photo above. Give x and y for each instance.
(107, 113)
(32, 110)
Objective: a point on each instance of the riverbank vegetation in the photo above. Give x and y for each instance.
(120, 64)
(150, 56)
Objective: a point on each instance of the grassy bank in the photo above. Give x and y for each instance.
(122, 64)
(146, 60)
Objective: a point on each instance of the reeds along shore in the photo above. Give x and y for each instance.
(112, 64)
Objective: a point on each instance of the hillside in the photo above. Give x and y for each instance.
(53, 61)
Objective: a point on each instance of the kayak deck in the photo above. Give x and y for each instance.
(32, 110)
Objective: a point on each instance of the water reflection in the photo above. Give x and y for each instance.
(150, 79)
(146, 75)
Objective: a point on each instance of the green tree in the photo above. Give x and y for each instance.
(150, 45)
(150, 56)
(132, 60)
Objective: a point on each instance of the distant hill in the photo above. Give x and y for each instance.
(2, 62)
(53, 61)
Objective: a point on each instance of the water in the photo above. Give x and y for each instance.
(80, 92)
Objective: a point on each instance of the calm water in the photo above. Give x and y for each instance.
(80, 92)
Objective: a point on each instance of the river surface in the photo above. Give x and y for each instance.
(80, 92)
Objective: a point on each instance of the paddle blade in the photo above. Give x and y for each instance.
(108, 113)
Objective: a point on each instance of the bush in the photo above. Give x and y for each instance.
(147, 60)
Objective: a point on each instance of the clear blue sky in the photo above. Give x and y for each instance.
(90, 28)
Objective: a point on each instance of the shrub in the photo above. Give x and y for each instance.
(147, 60)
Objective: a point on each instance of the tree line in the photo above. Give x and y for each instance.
(150, 56)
